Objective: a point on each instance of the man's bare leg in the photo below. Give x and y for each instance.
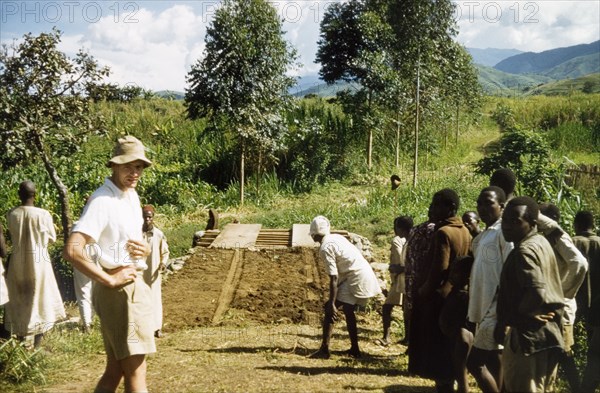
(134, 371)
(110, 380)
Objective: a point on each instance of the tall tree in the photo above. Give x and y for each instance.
(240, 84)
(354, 45)
(44, 111)
(462, 86)
(424, 31)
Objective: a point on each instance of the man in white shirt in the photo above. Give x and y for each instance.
(351, 282)
(490, 250)
(572, 267)
(112, 224)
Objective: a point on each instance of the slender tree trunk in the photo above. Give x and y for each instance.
(398, 142)
(258, 172)
(370, 141)
(416, 157)
(370, 150)
(63, 192)
(242, 172)
(446, 135)
(457, 120)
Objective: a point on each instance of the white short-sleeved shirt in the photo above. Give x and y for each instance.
(490, 251)
(344, 260)
(111, 218)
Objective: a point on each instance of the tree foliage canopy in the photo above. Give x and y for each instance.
(44, 111)
(42, 99)
(241, 83)
(242, 77)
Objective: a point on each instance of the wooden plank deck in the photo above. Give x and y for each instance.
(237, 236)
(300, 236)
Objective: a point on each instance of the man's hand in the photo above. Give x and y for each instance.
(445, 290)
(396, 268)
(121, 276)
(545, 317)
(137, 249)
(330, 309)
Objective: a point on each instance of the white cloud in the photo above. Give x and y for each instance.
(167, 38)
(154, 52)
(528, 25)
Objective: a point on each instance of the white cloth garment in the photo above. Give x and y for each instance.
(572, 265)
(3, 289)
(35, 303)
(158, 258)
(356, 279)
(490, 251)
(83, 294)
(112, 217)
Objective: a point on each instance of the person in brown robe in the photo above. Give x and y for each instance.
(429, 350)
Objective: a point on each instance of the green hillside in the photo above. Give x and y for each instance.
(568, 86)
(579, 66)
(502, 83)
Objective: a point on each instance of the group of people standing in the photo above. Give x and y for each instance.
(499, 302)
(117, 253)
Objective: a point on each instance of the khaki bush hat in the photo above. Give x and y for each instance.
(128, 149)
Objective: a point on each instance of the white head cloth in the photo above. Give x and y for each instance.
(319, 226)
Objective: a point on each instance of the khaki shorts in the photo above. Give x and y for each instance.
(394, 296)
(535, 372)
(345, 295)
(126, 318)
(484, 334)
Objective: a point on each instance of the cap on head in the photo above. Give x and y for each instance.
(319, 226)
(128, 149)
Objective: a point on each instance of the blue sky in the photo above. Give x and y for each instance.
(153, 44)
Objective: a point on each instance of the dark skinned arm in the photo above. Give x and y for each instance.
(333, 287)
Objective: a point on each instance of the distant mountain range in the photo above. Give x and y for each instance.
(491, 56)
(501, 71)
(510, 71)
(523, 71)
(536, 63)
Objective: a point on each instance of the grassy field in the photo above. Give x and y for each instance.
(273, 357)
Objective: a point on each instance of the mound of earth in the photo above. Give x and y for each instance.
(233, 286)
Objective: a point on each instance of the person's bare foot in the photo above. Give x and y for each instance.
(159, 334)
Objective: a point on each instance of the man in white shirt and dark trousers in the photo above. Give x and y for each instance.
(489, 251)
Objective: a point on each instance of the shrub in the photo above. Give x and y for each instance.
(527, 154)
